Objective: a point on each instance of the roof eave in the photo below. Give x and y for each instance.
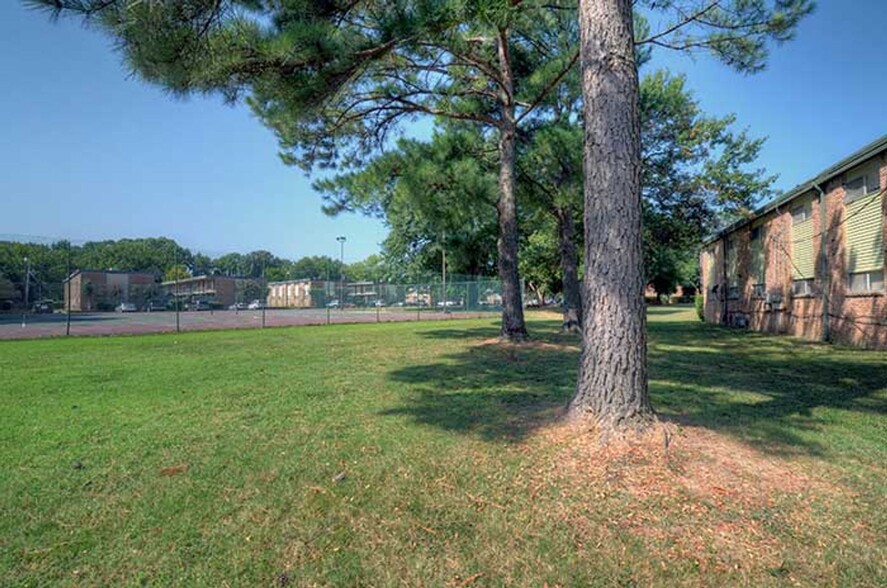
(858, 157)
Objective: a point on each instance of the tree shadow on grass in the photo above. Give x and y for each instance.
(761, 389)
(666, 310)
(496, 391)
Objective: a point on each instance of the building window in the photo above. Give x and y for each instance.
(802, 252)
(759, 291)
(731, 259)
(866, 281)
(863, 229)
(802, 287)
(757, 259)
(802, 212)
(869, 182)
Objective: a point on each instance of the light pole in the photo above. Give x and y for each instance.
(443, 274)
(265, 292)
(175, 268)
(27, 287)
(326, 288)
(341, 239)
(68, 301)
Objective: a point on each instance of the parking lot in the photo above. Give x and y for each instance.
(13, 326)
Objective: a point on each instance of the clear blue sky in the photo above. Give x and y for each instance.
(88, 153)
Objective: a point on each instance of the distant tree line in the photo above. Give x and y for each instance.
(167, 260)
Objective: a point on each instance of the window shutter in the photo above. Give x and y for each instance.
(732, 263)
(865, 234)
(712, 269)
(756, 268)
(803, 262)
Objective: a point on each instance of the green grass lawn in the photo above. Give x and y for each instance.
(210, 459)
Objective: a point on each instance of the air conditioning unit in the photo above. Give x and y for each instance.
(738, 320)
(774, 302)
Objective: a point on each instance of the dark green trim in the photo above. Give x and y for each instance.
(857, 158)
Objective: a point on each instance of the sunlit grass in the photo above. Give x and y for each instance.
(423, 454)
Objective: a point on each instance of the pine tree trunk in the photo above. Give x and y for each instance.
(513, 327)
(569, 270)
(612, 385)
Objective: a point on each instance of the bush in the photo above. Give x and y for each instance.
(700, 307)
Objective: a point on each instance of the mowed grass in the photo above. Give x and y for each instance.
(430, 455)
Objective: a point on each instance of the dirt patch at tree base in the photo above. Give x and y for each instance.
(691, 497)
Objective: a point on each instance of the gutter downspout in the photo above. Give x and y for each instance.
(725, 286)
(823, 265)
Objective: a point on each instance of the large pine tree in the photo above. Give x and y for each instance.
(333, 78)
(612, 385)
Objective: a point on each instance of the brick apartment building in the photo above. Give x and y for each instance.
(220, 290)
(93, 290)
(318, 293)
(810, 263)
(297, 294)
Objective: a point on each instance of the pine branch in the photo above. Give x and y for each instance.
(680, 24)
(549, 87)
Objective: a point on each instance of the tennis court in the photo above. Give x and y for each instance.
(14, 326)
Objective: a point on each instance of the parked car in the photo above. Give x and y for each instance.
(238, 306)
(155, 306)
(332, 304)
(42, 307)
(126, 307)
(379, 303)
(199, 305)
(256, 305)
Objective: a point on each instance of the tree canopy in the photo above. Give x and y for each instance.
(167, 260)
(698, 171)
(333, 78)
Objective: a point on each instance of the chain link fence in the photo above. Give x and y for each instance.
(47, 295)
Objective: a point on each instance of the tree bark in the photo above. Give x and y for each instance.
(612, 386)
(569, 270)
(513, 326)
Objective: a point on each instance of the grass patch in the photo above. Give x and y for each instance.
(427, 454)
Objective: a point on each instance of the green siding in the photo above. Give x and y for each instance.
(803, 262)
(712, 269)
(757, 265)
(732, 263)
(865, 234)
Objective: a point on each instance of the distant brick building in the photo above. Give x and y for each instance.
(296, 294)
(94, 290)
(318, 293)
(810, 263)
(220, 290)
(418, 296)
(679, 294)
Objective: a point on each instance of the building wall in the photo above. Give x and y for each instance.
(291, 294)
(855, 318)
(414, 298)
(98, 290)
(219, 289)
(226, 290)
